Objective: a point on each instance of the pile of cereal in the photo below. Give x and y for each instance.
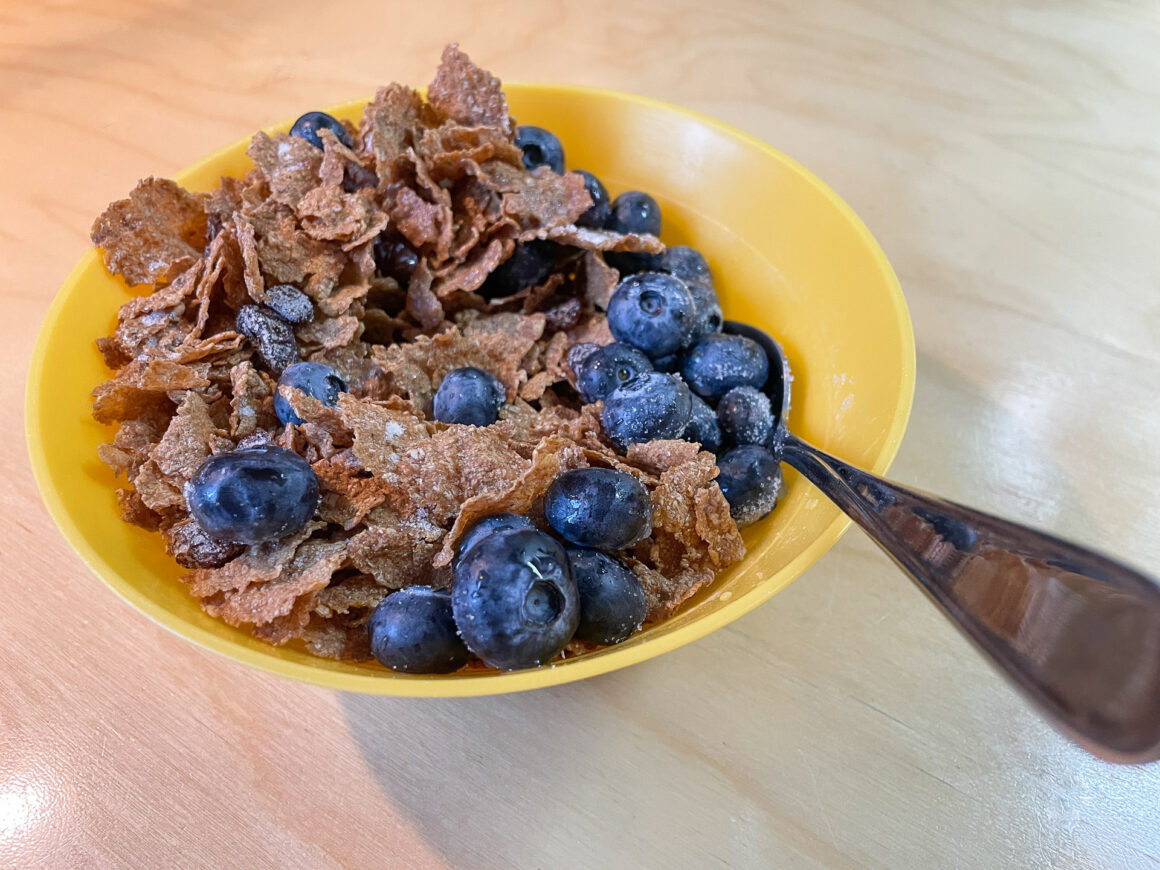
(377, 376)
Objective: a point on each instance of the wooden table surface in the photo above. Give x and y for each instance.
(1006, 156)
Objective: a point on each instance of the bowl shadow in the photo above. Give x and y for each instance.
(616, 771)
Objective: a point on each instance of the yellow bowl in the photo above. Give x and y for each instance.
(788, 255)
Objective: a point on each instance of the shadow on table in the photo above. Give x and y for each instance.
(642, 767)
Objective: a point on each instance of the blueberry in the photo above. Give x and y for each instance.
(394, 258)
(718, 363)
(599, 507)
(612, 602)
(470, 396)
(308, 125)
(529, 264)
(596, 216)
(271, 335)
(493, 524)
(540, 148)
(703, 427)
(634, 212)
(317, 380)
(253, 495)
(606, 368)
(578, 353)
(670, 364)
(750, 479)
(686, 263)
(745, 416)
(650, 406)
(707, 316)
(514, 599)
(413, 631)
(628, 263)
(290, 303)
(652, 311)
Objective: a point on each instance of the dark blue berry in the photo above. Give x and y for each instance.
(606, 368)
(703, 427)
(317, 380)
(253, 495)
(707, 316)
(670, 364)
(470, 396)
(394, 258)
(628, 263)
(529, 264)
(745, 416)
(271, 335)
(651, 406)
(578, 353)
(514, 599)
(612, 602)
(540, 148)
(290, 303)
(491, 525)
(599, 507)
(413, 631)
(652, 311)
(634, 212)
(750, 479)
(718, 363)
(686, 263)
(596, 216)
(308, 125)
(777, 383)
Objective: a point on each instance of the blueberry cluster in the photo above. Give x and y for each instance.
(519, 594)
(711, 395)
(672, 373)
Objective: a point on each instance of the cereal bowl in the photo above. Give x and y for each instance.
(788, 256)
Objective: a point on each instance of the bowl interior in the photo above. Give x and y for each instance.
(788, 256)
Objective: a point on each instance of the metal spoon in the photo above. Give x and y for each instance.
(1078, 633)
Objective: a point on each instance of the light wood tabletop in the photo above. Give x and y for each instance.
(1007, 158)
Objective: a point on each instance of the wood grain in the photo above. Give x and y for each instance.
(1007, 156)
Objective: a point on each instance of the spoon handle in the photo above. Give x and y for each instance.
(1078, 633)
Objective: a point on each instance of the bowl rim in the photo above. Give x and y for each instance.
(484, 683)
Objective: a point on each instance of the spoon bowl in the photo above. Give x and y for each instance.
(779, 382)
